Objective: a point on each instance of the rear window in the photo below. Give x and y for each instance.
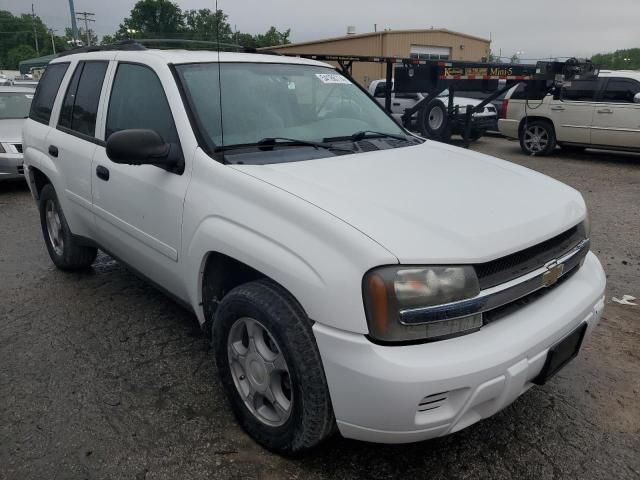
(80, 106)
(46, 92)
(580, 91)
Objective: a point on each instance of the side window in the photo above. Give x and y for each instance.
(620, 90)
(138, 101)
(580, 91)
(80, 106)
(46, 92)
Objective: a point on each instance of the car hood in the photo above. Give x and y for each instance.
(433, 203)
(11, 130)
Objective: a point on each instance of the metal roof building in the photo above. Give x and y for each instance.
(438, 44)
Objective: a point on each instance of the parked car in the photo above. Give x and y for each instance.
(351, 275)
(4, 80)
(602, 113)
(15, 103)
(482, 121)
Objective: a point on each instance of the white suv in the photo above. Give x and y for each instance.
(600, 113)
(351, 275)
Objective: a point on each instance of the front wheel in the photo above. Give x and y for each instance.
(537, 137)
(63, 249)
(270, 368)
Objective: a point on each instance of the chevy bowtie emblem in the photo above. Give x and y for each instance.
(553, 273)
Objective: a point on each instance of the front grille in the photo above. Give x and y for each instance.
(501, 312)
(18, 147)
(512, 266)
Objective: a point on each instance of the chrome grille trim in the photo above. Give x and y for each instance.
(497, 296)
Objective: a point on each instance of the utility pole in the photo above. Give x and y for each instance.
(53, 43)
(85, 16)
(33, 22)
(74, 26)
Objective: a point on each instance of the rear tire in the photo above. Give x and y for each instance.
(270, 368)
(433, 121)
(537, 137)
(63, 249)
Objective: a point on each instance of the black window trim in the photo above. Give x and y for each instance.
(35, 97)
(179, 171)
(69, 131)
(606, 86)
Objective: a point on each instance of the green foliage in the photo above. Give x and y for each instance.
(82, 36)
(17, 32)
(628, 59)
(20, 53)
(156, 18)
(165, 19)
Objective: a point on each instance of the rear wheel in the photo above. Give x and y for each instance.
(433, 121)
(270, 367)
(537, 137)
(63, 249)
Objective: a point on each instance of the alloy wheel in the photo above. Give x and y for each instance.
(260, 372)
(536, 139)
(54, 227)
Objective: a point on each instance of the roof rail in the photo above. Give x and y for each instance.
(122, 45)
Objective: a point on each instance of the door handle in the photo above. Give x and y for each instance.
(605, 110)
(558, 108)
(102, 173)
(53, 151)
(396, 104)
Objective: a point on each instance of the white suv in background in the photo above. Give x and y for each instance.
(351, 275)
(601, 113)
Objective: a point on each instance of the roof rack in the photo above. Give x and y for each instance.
(122, 45)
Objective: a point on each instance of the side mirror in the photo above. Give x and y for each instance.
(636, 98)
(141, 147)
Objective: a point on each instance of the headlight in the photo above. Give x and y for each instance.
(2, 150)
(395, 293)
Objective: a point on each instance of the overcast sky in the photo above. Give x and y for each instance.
(540, 28)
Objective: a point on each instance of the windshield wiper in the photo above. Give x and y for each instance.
(358, 136)
(270, 142)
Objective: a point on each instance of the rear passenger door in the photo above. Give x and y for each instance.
(72, 143)
(572, 114)
(138, 209)
(617, 117)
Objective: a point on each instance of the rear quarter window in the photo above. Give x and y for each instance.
(46, 92)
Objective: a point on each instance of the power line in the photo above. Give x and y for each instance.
(85, 16)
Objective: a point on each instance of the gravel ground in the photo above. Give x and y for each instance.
(102, 376)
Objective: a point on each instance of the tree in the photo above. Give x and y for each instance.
(20, 53)
(108, 40)
(152, 18)
(628, 59)
(272, 38)
(203, 24)
(18, 32)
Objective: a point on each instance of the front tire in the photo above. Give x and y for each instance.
(270, 368)
(63, 249)
(537, 138)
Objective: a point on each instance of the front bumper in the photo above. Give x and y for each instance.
(11, 166)
(377, 390)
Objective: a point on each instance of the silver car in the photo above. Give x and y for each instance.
(15, 103)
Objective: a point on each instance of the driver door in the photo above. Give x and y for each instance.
(138, 209)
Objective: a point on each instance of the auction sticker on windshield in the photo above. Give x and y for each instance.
(332, 78)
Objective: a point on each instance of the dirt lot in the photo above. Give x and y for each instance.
(101, 376)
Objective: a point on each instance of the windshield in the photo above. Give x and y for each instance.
(15, 105)
(265, 101)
